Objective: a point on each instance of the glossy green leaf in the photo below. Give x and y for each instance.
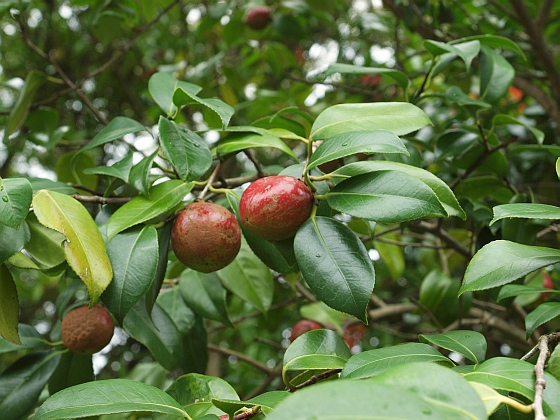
(491, 398)
(117, 128)
(526, 210)
(134, 257)
(470, 344)
(120, 169)
(34, 80)
(73, 369)
(139, 174)
(314, 350)
(352, 400)
(553, 363)
(397, 117)
(440, 188)
(385, 196)
(70, 169)
(496, 75)
(397, 76)
(457, 399)
(164, 242)
(256, 138)
(15, 200)
(108, 397)
(438, 294)
(467, 51)
(494, 41)
(248, 278)
(543, 313)
(84, 247)
(21, 383)
(12, 240)
(513, 375)
(346, 144)
(511, 290)
(501, 262)
(503, 119)
(183, 97)
(373, 362)
(164, 198)
(455, 95)
(162, 86)
(29, 337)
(187, 151)
(204, 294)
(335, 264)
(9, 306)
(45, 245)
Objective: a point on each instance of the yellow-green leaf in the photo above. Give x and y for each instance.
(9, 306)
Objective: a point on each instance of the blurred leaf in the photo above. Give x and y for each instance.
(9, 306)
(491, 398)
(525, 210)
(496, 75)
(70, 169)
(455, 95)
(501, 262)
(117, 128)
(164, 197)
(139, 174)
(183, 97)
(470, 344)
(553, 363)
(34, 80)
(397, 76)
(73, 369)
(46, 184)
(325, 315)
(12, 241)
(543, 313)
(493, 41)
(162, 86)
(84, 247)
(16, 195)
(438, 293)
(28, 335)
(120, 169)
(335, 264)
(511, 290)
(256, 138)
(503, 119)
(45, 245)
(467, 51)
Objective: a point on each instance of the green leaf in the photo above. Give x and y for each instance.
(385, 196)
(346, 144)
(19, 111)
(46, 184)
(140, 173)
(438, 294)
(457, 399)
(373, 362)
(503, 119)
(117, 128)
(513, 375)
(558, 167)
(84, 247)
(248, 278)
(491, 399)
(134, 258)
(440, 188)
(324, 315)
(352, 400)
(21, 383)
(120, 169)
(501, 262)
(204, 294)
(496, 75)
(335, 264)
(543, 313)
(397, 117)
(553, 363)
(494, 41)
(397, 76)
(162, 86)
(12, 241)
(455, 95)
(525, 210)
(257, 137)
(70, 169)
(467, 51)
(30, 339)
(45, 245)
(187, 151)
(266, 402)
(183, 97)
(9, 306)
(470, 344)
(314, 350)
(15, 199)
(73, 369)
(164, 198)
(511, 290)
(109, 396)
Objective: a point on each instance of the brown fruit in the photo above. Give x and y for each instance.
(206, 237)
(273, 208)
(302, 326)
(258, 17)
(87, 331)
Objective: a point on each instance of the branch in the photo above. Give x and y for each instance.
(96, 199)
(314, 379)
(390, 310)
(436, 230)
(540, 382)
(240, 356)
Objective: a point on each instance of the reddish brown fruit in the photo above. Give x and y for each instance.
(548, 283)
(273, 208)
(258, 17)
(302, 327)
(87, 331)
(206, 237)
(353, 334)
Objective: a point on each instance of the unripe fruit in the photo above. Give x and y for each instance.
(87, 331)
(302, 326)
(206, 237)
(258, 17)
(273, 208)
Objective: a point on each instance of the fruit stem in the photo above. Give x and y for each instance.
(326, 177)
(209, 182)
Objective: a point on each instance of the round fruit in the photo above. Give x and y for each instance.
(206, 237)
(302, 326)
(353, 334)
(87, 330)
(273, 208)
(258, 17)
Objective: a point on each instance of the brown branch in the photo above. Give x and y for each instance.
(451, 242)
(241, 356)
(540, 381)
(314, 379)
(101, 200)
(391, 310)
(491, 320)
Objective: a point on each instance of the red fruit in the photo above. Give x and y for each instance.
(258, 17)
(206, 237)
(353, 334)
(303, 326)
(273, 208)
(548, 283)
(86, 330)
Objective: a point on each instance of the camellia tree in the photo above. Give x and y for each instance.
(302, 210)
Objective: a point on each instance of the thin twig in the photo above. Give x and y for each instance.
(96, 199)
(314, 379)
(241, 356)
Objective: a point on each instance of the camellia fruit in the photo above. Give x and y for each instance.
(87, 330)
(258, 17)
(302, 326)
(273, 208)
(206, 237)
